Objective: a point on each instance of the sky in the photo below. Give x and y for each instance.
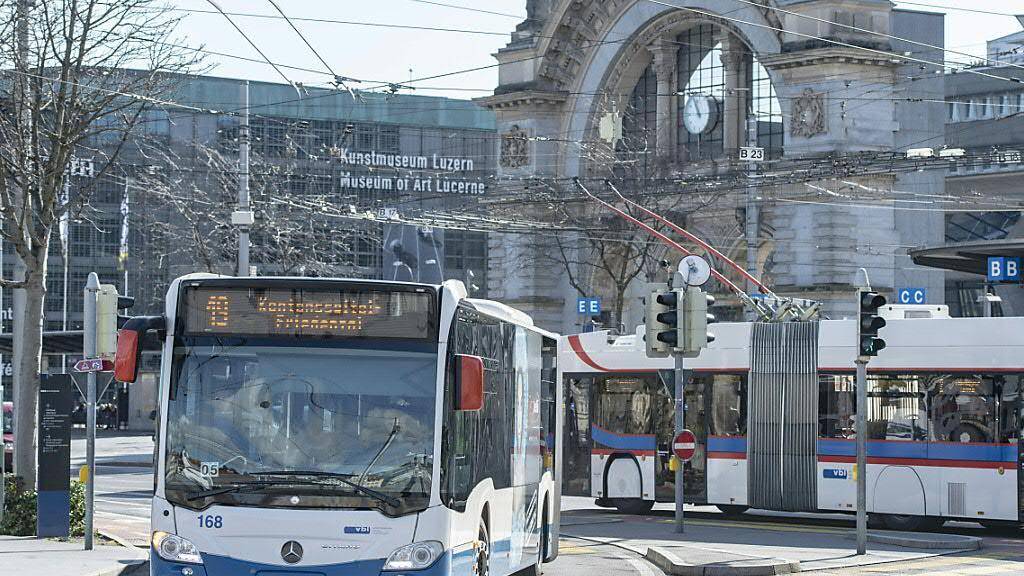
(379, 55)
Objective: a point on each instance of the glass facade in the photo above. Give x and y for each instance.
(164, 209)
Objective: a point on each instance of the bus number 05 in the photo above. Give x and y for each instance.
(211, 521)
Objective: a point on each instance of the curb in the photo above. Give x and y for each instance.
(905, 540)
(119, 540)
(669, 563)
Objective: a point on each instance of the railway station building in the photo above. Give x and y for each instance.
(660, 97)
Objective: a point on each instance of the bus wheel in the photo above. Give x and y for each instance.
(633, 505)
(732, 509)
(542, 544)
(482, 565)
(911, 523)
(1000, 525)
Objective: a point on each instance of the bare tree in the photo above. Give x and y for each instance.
(192, 191)
(75, 72)
(605, 254)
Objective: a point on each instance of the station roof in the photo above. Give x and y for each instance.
(970, 257)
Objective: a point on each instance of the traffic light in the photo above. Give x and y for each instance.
(662, 322)
(696, 319)
(869, 322)
(108, 302)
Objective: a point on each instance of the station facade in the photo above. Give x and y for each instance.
(660, 96)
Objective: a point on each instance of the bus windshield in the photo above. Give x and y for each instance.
(306, 426)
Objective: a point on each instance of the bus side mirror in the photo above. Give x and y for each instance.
(129, 346)
(469, 383)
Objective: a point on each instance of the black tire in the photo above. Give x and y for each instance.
(633, 505)
(1001, 525)
(542, 545)
(732, 509)
(911, 523)
(603, 503)
(482, 564)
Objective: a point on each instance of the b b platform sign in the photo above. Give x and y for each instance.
(1003, 269)
(684, 445)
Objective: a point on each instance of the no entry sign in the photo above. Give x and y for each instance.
(684, 445)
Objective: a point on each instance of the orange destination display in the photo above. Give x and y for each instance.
(308, 312)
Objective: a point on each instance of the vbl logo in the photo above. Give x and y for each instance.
(357, 529)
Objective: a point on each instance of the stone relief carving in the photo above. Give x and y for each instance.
(809, 115)
(515, 152)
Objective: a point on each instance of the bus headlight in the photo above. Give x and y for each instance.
(414, 556)
(174, 548)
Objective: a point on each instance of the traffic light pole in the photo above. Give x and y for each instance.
(680, 426)
(92, 287)
(862, 455)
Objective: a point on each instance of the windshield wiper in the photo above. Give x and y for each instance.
(239, 487)
(341, 478)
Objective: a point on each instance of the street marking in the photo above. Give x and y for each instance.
(996, 569)
(765, 525)
(575, 550)
(125, 503)
(927, 563)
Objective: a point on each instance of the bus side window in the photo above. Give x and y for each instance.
(897, 409)
(1007, 389)
(728, 403)
(548, 405)
(963, 408)
(836, 406)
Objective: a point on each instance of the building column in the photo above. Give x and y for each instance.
(734, 112)
(665, 69)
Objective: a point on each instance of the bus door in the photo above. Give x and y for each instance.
(696, 472)
(624, 444)
(576, 443)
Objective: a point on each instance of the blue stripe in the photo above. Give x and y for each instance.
(921, 450)
(916, 450)
(733, 444)
(622, 442)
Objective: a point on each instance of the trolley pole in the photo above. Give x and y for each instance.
(680, 426)
(92, 287)
(862, 455)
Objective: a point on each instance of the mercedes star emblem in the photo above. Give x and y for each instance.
(291, 552)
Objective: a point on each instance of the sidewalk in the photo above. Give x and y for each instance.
(28, 556)
(752, 546)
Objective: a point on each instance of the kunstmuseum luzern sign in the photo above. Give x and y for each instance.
(448, 173)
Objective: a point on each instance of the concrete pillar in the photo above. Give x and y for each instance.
(665, 67)
(734, 110)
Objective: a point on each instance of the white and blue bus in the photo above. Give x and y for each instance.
(349, 427)
(773, 410)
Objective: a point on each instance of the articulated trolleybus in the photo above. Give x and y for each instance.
(773, 409)
(348, 427)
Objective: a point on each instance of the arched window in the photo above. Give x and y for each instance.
(635, 152)
(702, 74)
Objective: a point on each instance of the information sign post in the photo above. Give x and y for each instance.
(53, 504)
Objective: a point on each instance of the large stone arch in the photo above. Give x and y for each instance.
(590, 47)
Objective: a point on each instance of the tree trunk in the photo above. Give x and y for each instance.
(620, 302)
(26, 389)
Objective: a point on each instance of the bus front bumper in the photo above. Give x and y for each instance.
(224, 566)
